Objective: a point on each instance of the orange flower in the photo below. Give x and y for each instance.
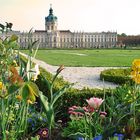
(19, 97)
(15, 77)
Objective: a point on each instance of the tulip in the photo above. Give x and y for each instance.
(60, 69)
(95, 102)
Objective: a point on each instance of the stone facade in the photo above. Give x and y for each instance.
(51, 37)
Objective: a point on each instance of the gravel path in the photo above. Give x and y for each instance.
(82, 76)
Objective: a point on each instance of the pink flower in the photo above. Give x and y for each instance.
(72, 111)
(90, 109)
(85, 109)
(103, 114)
(95, 102)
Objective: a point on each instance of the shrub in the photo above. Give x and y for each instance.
(118, 76)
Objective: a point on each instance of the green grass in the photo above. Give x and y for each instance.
(105, 58)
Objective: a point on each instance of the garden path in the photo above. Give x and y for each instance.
(82, 76)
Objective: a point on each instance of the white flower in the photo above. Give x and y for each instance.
(36, 72)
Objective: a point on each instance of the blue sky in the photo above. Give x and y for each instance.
(77, 15)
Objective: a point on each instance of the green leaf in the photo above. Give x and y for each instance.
(33, 91)
(48, 110)
(79, 110)
(29, 91)
(13, 38)
(33, 88)
(5, 41)
(12, 89)
(28, 69)
(77, 134)
(44, 101)
(33, 43)
(60, 93)
(22, 68)
(47, 83)
(35, 138)
(24, 92)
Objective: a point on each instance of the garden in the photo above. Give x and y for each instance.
(36, 105)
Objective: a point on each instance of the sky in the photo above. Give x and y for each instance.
(122, 16)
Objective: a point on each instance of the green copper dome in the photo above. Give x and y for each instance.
(51, 17)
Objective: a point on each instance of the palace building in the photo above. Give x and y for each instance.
(51, 37)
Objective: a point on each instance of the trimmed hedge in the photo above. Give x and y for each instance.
(118, 76)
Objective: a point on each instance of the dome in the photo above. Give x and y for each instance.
(51, 17)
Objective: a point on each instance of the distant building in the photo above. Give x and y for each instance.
(51, 37)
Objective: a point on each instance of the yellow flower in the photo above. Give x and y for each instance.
(29, 101)
(135, 74)
(15, 63)
(136, 65)
(1, 85)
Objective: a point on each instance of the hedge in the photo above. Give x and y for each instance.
(118, 76)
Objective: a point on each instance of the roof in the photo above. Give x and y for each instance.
(40, 31)
(65, 31)
(51, 17)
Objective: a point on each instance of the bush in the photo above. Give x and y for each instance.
(118, 76)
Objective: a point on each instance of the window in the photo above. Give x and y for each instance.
(54, 39)
(67, 39)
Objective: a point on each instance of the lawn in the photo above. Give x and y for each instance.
(88, 57)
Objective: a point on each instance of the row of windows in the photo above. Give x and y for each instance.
(52, 35)
(90, 36)
(71, 39)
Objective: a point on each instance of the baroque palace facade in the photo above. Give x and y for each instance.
(51, 37)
